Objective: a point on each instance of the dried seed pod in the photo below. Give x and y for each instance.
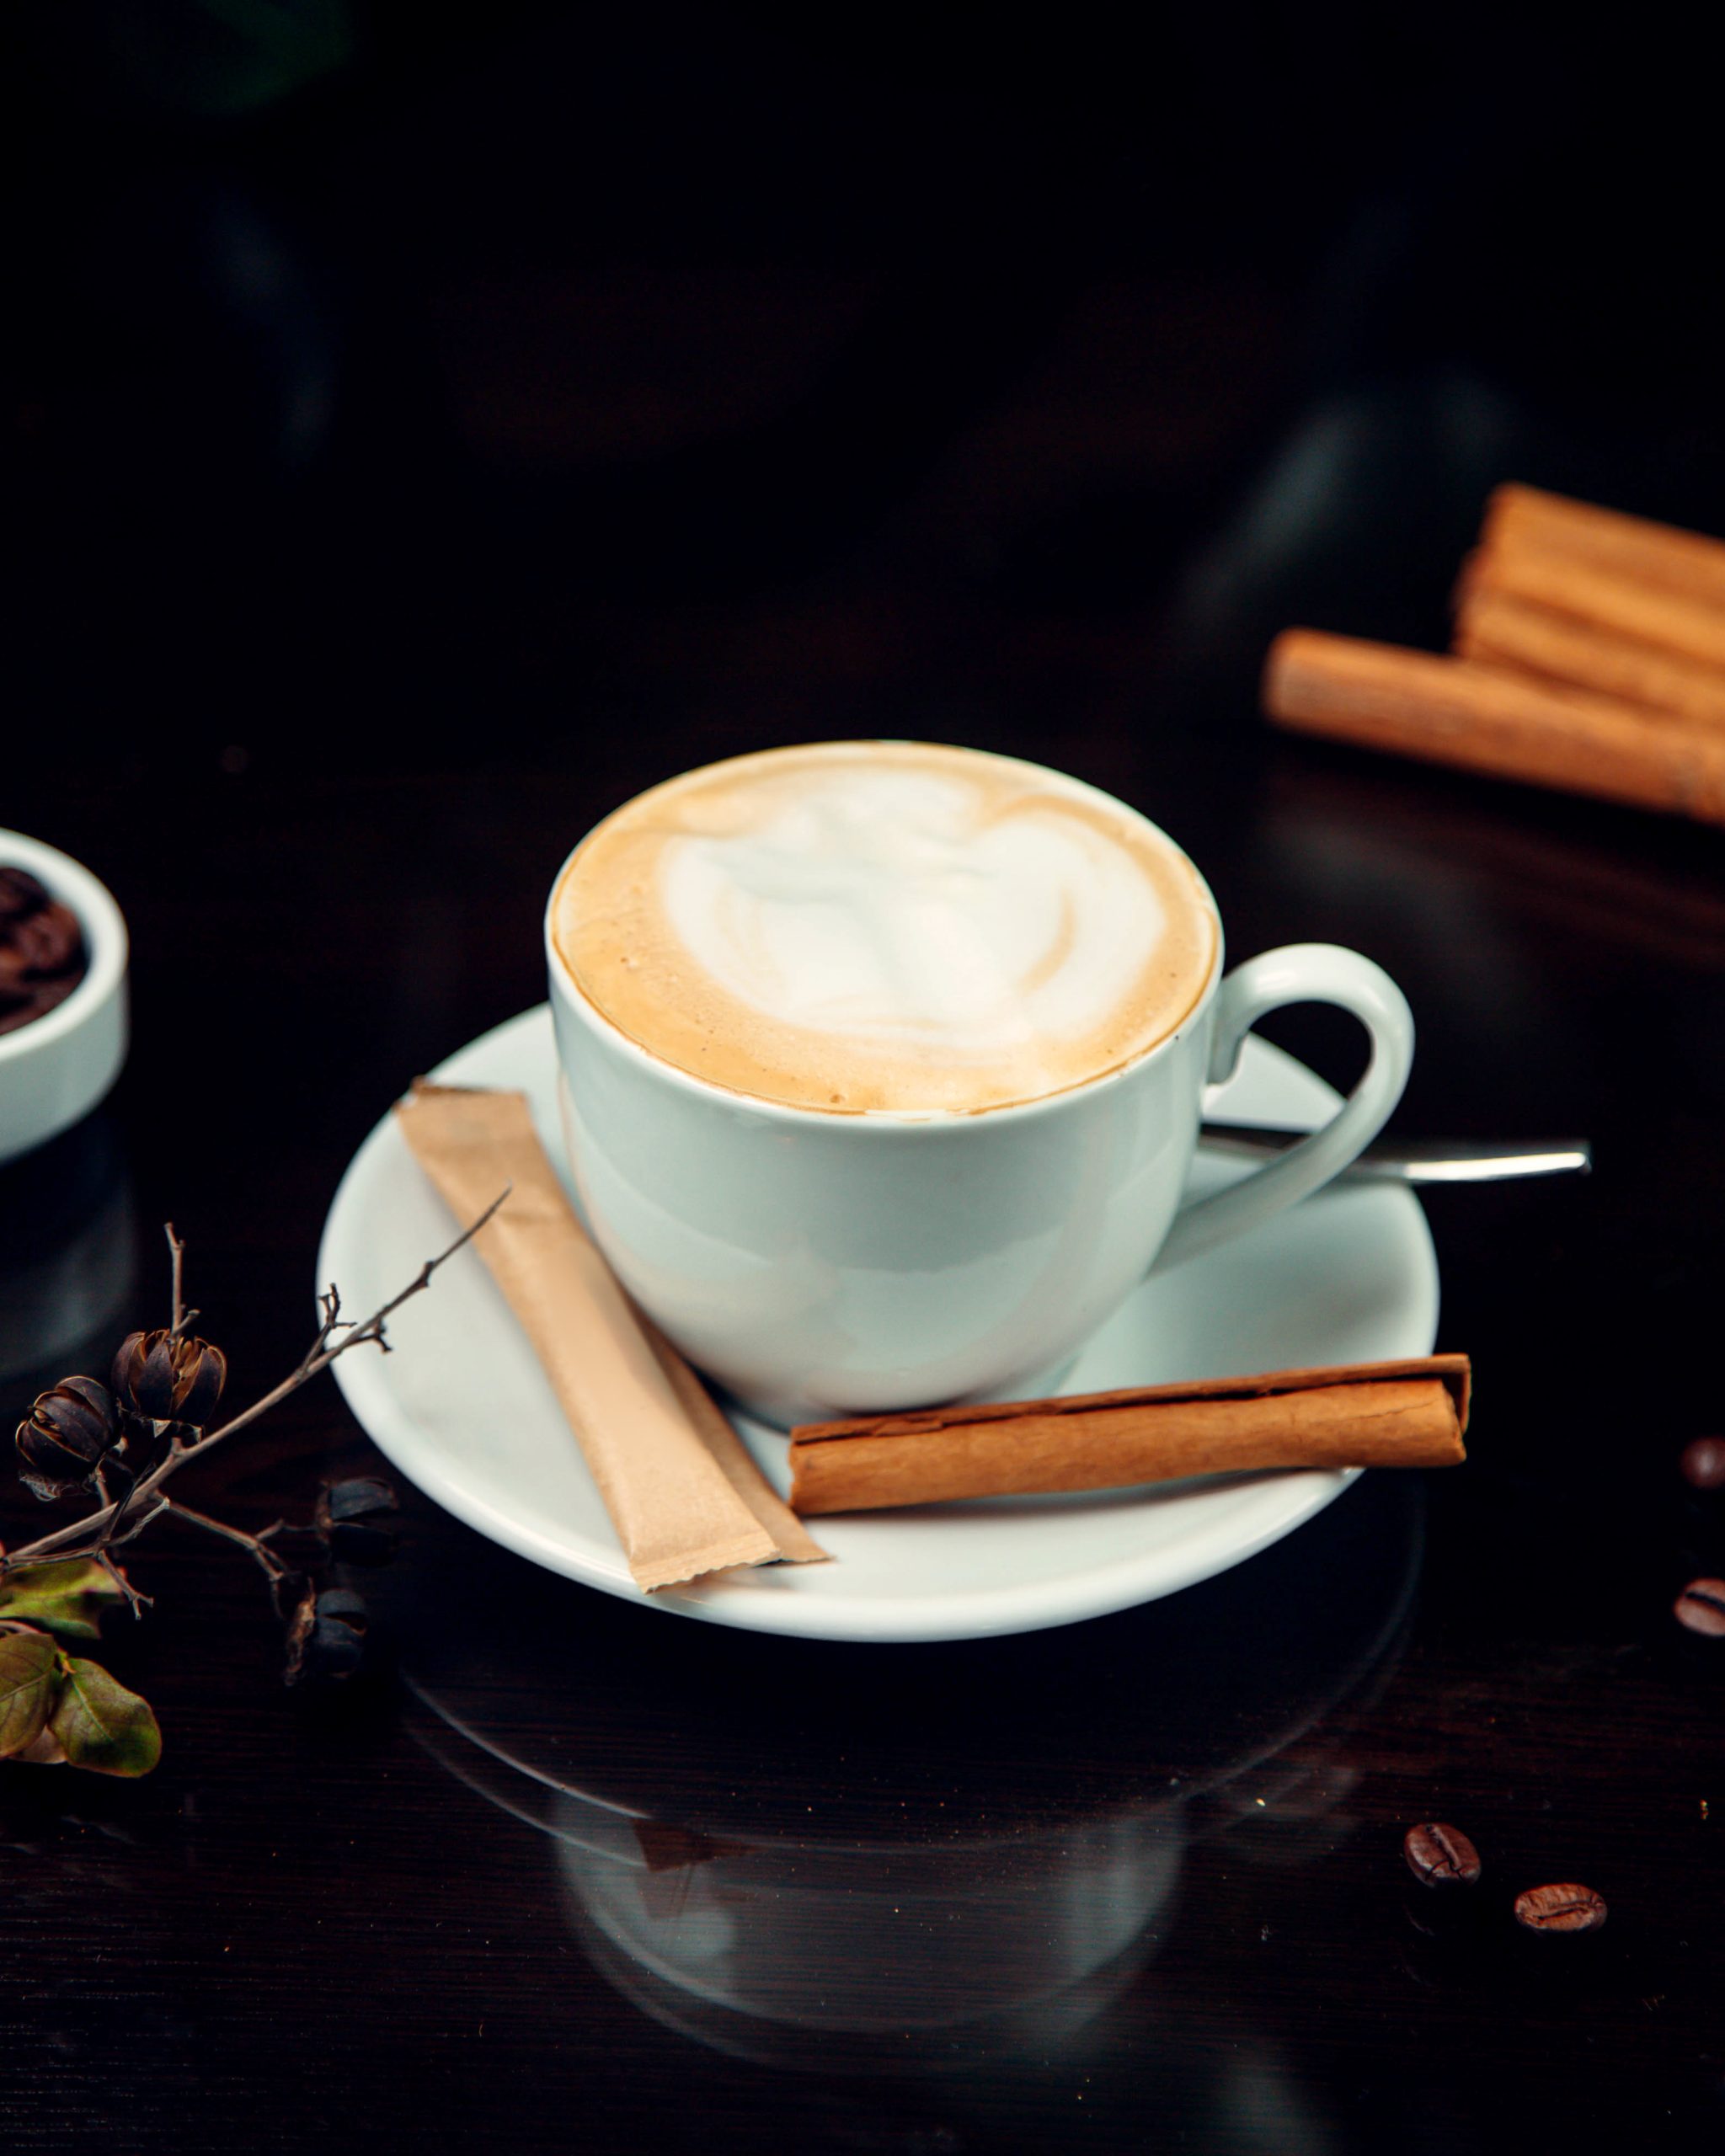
(326, 1639)
(352, 1520)
(204, 1373)
(169, 1380)
(71, 1430)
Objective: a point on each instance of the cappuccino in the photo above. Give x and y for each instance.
(884, 926)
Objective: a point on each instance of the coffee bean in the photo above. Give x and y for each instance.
(1702, 1464)
(47, 942)
(1440, 1856)
(1701, 1608)
(1560, 1909)
(20, 894)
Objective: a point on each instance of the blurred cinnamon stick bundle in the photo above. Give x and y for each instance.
(1404, 1414)
(1525, 522)
(1493, 623)
(1491, 718)
(1588, 655)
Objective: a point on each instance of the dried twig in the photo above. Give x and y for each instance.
(119, 1520)
(273, 1569)
(135, 1602)
(182, 1316)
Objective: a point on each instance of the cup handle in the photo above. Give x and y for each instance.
(1300, 972)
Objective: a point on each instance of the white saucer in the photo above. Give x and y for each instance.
(464, 1411)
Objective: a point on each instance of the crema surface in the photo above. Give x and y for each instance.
(885, 926)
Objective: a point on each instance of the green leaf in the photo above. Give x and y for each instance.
(30, 1677)
(68, 1597)
(102, 1726)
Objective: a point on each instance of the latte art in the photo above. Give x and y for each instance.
(887, 905)
(881, 926)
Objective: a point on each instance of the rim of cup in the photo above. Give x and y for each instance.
(828, 1118)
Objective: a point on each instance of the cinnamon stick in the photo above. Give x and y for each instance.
(1526, 520)
(1492, 625)
(1401, 1414)
(1602, 595)
(1488, 719)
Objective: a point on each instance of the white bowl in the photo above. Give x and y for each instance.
(55, 1070)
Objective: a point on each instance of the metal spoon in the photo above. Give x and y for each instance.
(1419, 1159)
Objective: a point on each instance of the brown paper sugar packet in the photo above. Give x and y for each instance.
(682, 1492)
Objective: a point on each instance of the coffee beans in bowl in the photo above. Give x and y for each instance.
(42, 955)
(62, 993)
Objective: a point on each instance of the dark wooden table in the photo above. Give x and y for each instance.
(327, 708)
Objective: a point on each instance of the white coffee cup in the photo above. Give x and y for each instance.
(819, 1264)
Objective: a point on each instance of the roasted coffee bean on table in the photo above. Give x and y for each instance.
(1560, 1908)
(1702, 1464)
(1439, 1855)
(1700, 1607)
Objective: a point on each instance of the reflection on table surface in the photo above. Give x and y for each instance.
(794, 1854)
(68, 1256)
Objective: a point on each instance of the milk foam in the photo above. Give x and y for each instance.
(885, 926)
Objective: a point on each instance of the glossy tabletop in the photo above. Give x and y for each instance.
(383, 529)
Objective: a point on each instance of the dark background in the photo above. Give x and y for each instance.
(424, 426)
